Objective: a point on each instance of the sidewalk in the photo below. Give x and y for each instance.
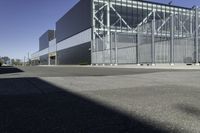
(144, 66)
(157, 66)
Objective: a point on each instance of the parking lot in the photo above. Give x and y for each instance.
(98, 100)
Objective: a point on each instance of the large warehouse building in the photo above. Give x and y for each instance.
(122, 32)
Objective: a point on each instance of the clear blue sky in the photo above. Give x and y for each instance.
(23, 21)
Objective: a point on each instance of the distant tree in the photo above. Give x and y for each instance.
(18, 62)
(12, 61)
(5, 59)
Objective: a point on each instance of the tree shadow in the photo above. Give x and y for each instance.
(189, 109)
(31, 105)
(8, 69)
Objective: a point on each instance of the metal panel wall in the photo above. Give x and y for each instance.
(80, 38)
(75, 55)
(52, 46)
(44, 59)
(74, 21)
(45, 38)
(184, 50)
(123, 47)
(162, 51)
(44, 52)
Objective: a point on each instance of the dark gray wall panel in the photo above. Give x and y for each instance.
(75, 55)
(45, 38)
(44, 59)
(76, 20)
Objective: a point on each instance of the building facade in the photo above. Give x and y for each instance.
(127, 32)
(72, 41)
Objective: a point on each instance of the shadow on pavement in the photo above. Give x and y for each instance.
(57, 71)
(189, 109)
(7, 70)
(30, 105)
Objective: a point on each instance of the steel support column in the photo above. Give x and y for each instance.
(93, 35)
(137, 46)
(56, 60)
(116, 50)
(196, 35)
(108, 47)
(191, 23)
(104, 50)
(172, 40)
(49, 60)
(153, 40)
(191, 26)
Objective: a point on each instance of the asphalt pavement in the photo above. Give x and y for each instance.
(82, 99)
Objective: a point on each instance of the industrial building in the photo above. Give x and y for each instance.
(70, 43)
(123, 32)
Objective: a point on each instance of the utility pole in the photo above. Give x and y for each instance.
(24, 60)
(28, 59)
